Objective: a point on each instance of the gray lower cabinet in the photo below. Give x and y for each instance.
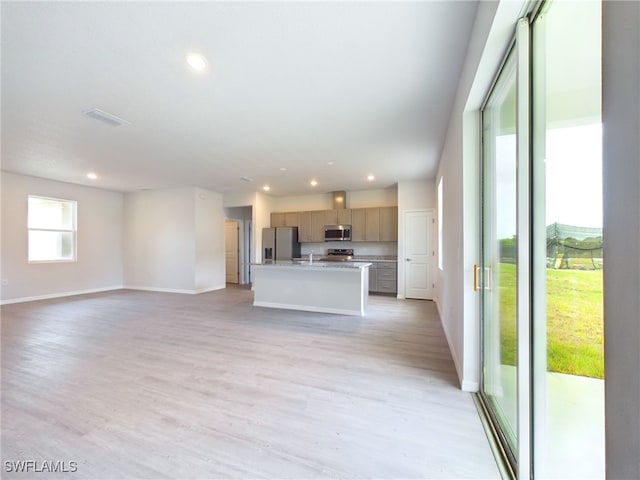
(383, 277)
(373, 277)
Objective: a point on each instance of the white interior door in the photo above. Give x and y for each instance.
(418, 254)
(231, 250)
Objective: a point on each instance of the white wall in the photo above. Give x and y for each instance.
(159, 246)
(99, 247)
(621, 156)
(210, 253)
(174, 240)
(238, 199)
(382, 197)
(262, 209)
(416, 195)
(300, 203)
(457, 303)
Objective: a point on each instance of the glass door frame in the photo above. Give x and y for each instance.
(520, 461)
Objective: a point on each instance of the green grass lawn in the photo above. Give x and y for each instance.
(575, 339)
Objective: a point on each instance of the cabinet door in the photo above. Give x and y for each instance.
(304, 227)
(278, 220)
(372, 225)
(291, 219)
(320, 218)
(344, 216)
(358, 224)
(386, 272)
(389, 224)
(373, 278)
(330, 218)
(387, 277)
(317, 226)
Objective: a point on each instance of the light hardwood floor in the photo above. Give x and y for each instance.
(133, 384)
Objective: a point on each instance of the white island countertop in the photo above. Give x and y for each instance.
(329, 287)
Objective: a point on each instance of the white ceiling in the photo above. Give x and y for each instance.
(367, 86)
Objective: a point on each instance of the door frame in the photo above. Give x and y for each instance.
(238, 225)
(402, 285)
(521, 460)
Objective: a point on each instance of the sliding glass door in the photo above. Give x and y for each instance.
(540, 269)
(498, 267)
(568, 346)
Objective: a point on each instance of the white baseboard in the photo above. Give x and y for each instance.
(454, 355)
(59, 295)
(465, 385)
(472, 387)
(49, 296)
(212, 289)
(308, 308)
(174, 290)
(161, 290)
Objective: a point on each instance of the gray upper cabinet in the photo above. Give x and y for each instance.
(344, 216)
(372, 225)
(284, 219)
(367, 224)
(388, 224)
(278, 220)
(305, 230)
(358, 225)
(291, 219)
(320, 218)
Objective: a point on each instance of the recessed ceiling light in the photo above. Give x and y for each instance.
(196, 61)
(283, 169)
(313, 183)
(92, 176)
(266, 188)
(371, 177)
(329, 163)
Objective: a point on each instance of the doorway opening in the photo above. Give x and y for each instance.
(240, 218)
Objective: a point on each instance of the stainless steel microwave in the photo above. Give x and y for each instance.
(337, 233)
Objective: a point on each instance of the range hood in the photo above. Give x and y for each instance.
(339, 200)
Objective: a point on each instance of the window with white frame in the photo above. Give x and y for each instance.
(52, 229)
(440, 209)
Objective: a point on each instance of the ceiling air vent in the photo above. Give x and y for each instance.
(106, 117)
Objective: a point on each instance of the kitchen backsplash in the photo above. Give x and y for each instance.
(359, 248)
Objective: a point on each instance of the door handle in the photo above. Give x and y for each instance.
(486, 281)
(476, 278)
(408, 259)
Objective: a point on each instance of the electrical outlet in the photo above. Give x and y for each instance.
(5, 282)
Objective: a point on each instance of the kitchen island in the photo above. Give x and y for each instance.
(328, 287)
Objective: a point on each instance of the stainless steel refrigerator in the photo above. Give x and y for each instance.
(280, 243)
